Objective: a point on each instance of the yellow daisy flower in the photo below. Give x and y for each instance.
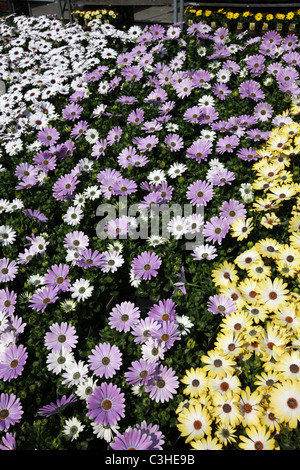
(196, 382)
(290, 255)
(225, 434)
(249, 289)
(282, 192)
(258, 438)
(232, 344)
(270, 420)
(273, 294)
(223, 385)
(237, 322)
(295, 240)
(224, 274)
(266, 380)
(286, 270)
(265, 204)
(294, 224)
(257, 313)
(194, 422)
(247, 258)
(288, 365)
(241, 227)
(285, 402)
(250, 406)
(207, 443)
(225, 409)
(270, 220)
(288, 317)
(217, 364)
(273, 342)
(268, 247)
(258, 271)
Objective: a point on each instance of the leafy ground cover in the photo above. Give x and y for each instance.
(112, 332)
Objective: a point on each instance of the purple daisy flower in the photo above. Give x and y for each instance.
(146, 144)
(79, 129)
(12, 362)
(34, 214)
(174, 142)
(194, 114)
(60, 405)
(9, 442)
(56, 277)
(140, 372)
(105, 360)
(62, 334)
(222, 177)
(200, 193)
(111, 261)
(247, 154)
(221, 304)
(72, 111)
(227, 144)
(124, 187)
(106, 404)
(221, 91)
(255, 64)
(165, 310)
(45, 160)
(199, 150)
(124, 316)
(98, 148)
(133, 439)
(48, 136)
(10, 410)
(76, 240)
(114, 135)
(263, 111)
(163, 385)
(146, 265)
(232, 210)
(152, 430)
(251, 89)
(8, 270)
(89, 259)
(7, 301)
(167, 334)
(216, 229)
(40, 300)
(142, 329)
(65, 187)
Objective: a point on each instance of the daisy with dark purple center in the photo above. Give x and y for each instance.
(40, 300)
(10, 410)
(105, 360)
(124, 316)
(61, 335)
(60, 405)
(200, 193)
(216, 229)
(163, 384)
(132, 439)
(106, 404)
(140, 372)
(48, 136)
(57, 277)
(12, 362)
(146, 265)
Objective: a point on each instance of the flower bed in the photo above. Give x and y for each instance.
(238, 20)
(110, 313)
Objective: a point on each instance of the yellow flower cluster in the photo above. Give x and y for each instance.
(246, 390)
(89, 15)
